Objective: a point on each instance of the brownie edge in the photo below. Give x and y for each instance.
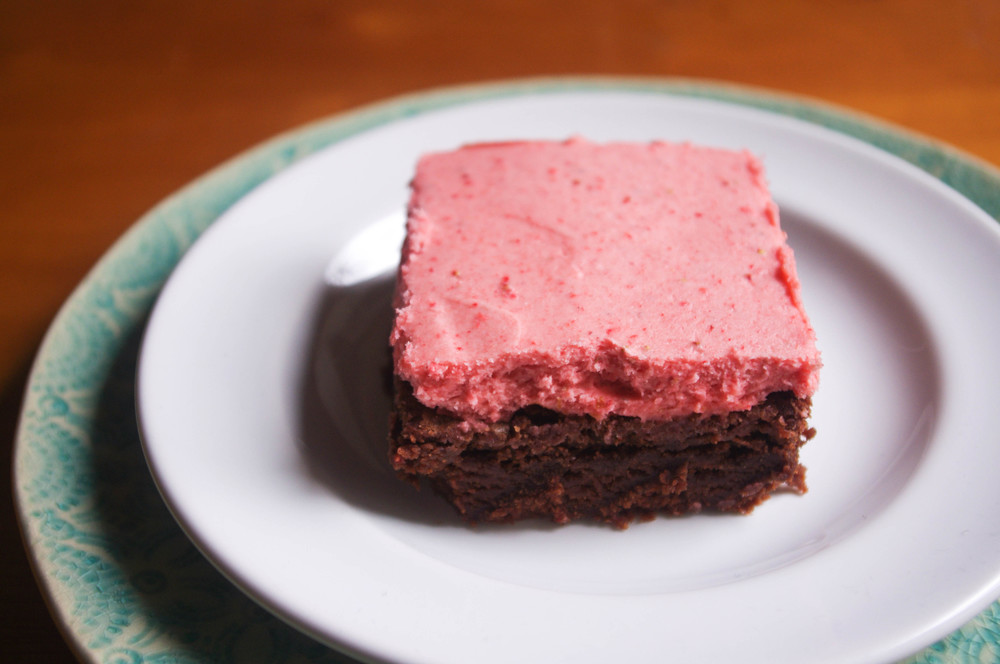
(618, 469)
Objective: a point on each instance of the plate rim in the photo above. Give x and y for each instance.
(222, 186)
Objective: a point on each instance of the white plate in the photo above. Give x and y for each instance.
(262, 409)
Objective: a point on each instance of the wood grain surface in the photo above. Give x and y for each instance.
(107, 107)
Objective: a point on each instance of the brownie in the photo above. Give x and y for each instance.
(598, 331)
(617, 469)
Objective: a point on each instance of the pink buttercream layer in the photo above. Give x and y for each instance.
(649, 280)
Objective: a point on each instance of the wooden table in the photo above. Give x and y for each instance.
(107, 107)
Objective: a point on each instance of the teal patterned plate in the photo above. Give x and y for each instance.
(123, 579)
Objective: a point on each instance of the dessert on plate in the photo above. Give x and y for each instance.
(602, 331)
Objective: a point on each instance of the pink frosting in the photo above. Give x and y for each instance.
(650, 280)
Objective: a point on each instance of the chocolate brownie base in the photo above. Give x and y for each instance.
(619, 469)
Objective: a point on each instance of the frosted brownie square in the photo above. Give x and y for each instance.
(598, 331)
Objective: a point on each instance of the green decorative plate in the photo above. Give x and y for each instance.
(124, 580)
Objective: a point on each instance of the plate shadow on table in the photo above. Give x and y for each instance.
(156, 595)
(26, 630)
